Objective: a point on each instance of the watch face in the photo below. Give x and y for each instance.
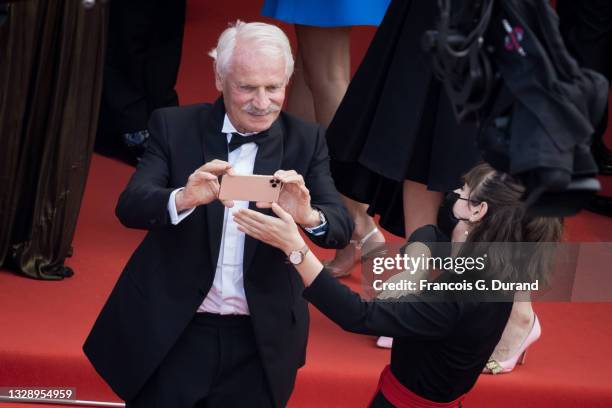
(295, 257)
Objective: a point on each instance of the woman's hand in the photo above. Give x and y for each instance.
(281, 232)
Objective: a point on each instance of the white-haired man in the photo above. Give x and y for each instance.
(202, 315)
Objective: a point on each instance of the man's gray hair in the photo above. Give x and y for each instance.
(265, 38)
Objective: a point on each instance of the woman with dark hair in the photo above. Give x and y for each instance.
(441, 344)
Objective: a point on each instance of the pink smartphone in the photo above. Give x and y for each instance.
(250, 188)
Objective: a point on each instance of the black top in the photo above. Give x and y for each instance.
(439, 348)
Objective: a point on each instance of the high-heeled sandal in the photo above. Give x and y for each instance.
(502, 367)
(357, 245)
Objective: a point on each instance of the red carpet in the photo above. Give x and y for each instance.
(43, 324)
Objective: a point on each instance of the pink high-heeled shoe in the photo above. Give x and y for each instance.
(501, 367)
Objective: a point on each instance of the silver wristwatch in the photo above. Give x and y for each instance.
(297, 257)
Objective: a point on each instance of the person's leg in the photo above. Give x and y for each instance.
(124, 110)
(519, 326)
(164, 53)
(130, 25)
(299, 99)
(187, 373)
(420, 206)
(345, 258)
(326, 58)
(324, 53)
(214, 364)
(586, 28)
(363, 222)
(241, 380)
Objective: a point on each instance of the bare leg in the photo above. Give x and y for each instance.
(345, 258)
(326, 58)
(299, 100)
(420, 206)
(518, 327)
(325, 55)
(363, 222)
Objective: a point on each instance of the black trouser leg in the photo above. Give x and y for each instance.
(164, 54)
(124, 95)
(586, 27)
(214, 364)
(143, 58)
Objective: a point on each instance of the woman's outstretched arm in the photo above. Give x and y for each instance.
(410, 316)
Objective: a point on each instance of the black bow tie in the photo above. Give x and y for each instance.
(238, 140)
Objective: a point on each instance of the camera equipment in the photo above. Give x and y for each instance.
(506, 69)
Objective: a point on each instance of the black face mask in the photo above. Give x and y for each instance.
(446, 217)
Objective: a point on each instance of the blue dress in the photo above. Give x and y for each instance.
(326, 13)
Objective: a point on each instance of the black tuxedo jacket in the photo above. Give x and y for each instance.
(172, 270)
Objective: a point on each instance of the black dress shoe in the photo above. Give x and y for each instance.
(129, 147)
(134, 146)
(600, 205)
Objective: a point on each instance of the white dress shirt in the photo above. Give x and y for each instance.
(227, 296)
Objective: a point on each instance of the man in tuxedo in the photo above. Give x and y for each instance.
(203, 315)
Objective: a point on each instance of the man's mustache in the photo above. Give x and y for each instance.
(249, 108)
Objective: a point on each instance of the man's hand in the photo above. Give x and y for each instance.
(203, 186)
(294, 198)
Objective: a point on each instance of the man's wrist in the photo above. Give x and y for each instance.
(313, 220)
(180, 203)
